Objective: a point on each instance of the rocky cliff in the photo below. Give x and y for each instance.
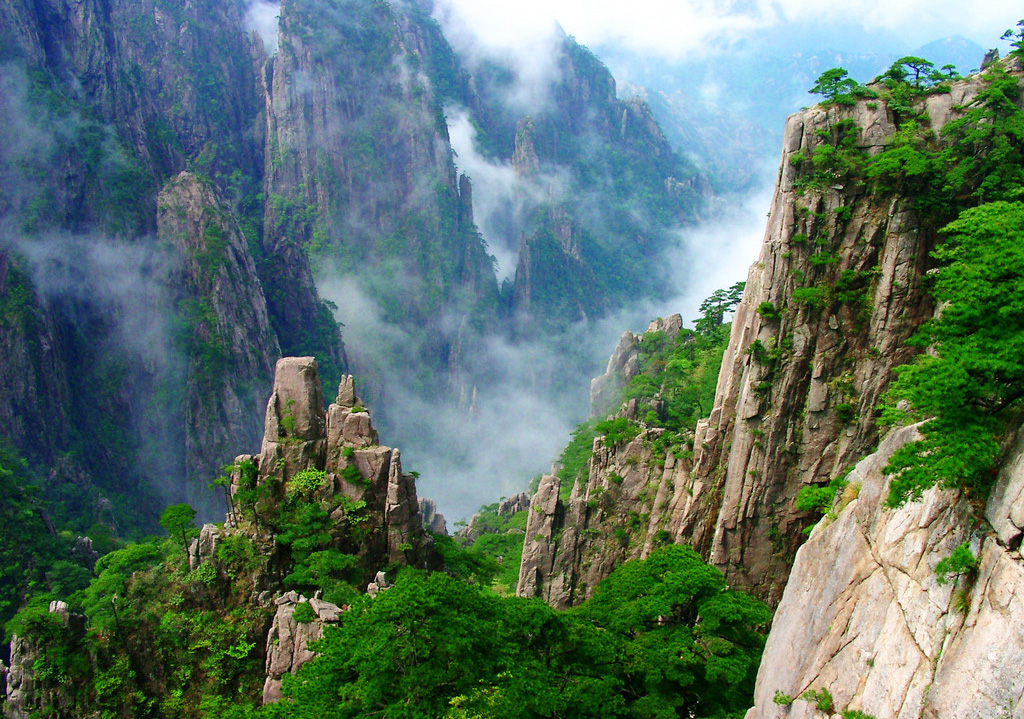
(359, 171)
(104, 102)
(826, 314)
(868, 618)
(300, 436)
(230, 344)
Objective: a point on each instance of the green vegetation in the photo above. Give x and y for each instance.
(969, 388)
(838, 88)
(960, 562)
(34, 560)
(496, 553)
(661, 637)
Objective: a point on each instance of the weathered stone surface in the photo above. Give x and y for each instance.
(622, 366)
(204, 547)
(301, 435)
(864, 616)
(288, 640)
(433, 521)
(25, 697)
(538, 552)
(1005, 510)
(780, 419)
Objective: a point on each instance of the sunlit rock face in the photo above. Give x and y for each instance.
(797, 392)
(865, 617)
(300, 435)
(233, 345)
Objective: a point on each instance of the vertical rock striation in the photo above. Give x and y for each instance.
(231, 345)
(300, 435)
(826, 314)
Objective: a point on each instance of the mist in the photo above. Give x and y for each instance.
(261, 18)
(513, 423)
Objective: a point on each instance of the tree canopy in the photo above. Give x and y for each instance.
(975, 374)
(662, 637)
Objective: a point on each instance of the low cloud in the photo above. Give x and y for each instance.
(261, 17)
(524, 407)
(680, 29)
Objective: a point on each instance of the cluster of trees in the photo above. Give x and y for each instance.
(661, 637)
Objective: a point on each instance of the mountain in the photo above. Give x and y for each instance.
(885, 610)
(323, 171)
(724, 107)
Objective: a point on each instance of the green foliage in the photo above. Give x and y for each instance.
(666, 638)
(821, 698)
(768, 311)
(303, 613)
(303, 485)
(856, 714)
(781, 698)
(32, 560)
(960, 561)
(574, 462)
(813, 296)
(617, 431)
(838, 88)
(820, 500)
(972, 382)
(714, 309)
(176, 519)
(205, 573)
(1016, 39)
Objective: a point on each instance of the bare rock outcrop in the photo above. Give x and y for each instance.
(433, 521)
(864, 616)
(300, 435)
(289, 638)
(25, 696)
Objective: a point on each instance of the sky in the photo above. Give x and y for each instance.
(677, 29)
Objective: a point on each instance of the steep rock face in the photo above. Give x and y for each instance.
(32, 369)
(300, 435)
(25, 696)
(599, 169)
(102, 102)
(359, 169)
(288, 640)
(433, 521)
(865, 617)
(794, 380)
(232, 347)
(827, 310)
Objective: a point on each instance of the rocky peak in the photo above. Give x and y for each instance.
(342, 443)
(524, 158)
(433, 521)
(796, 395)
(289, 638)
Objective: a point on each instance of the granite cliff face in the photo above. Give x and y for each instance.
(299, 435)
(240, 577)
(103, 103)
(828, 307)
(359, 171)
(865, 617)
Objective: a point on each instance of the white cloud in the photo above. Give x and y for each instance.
(677, 28)
(261, 17)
